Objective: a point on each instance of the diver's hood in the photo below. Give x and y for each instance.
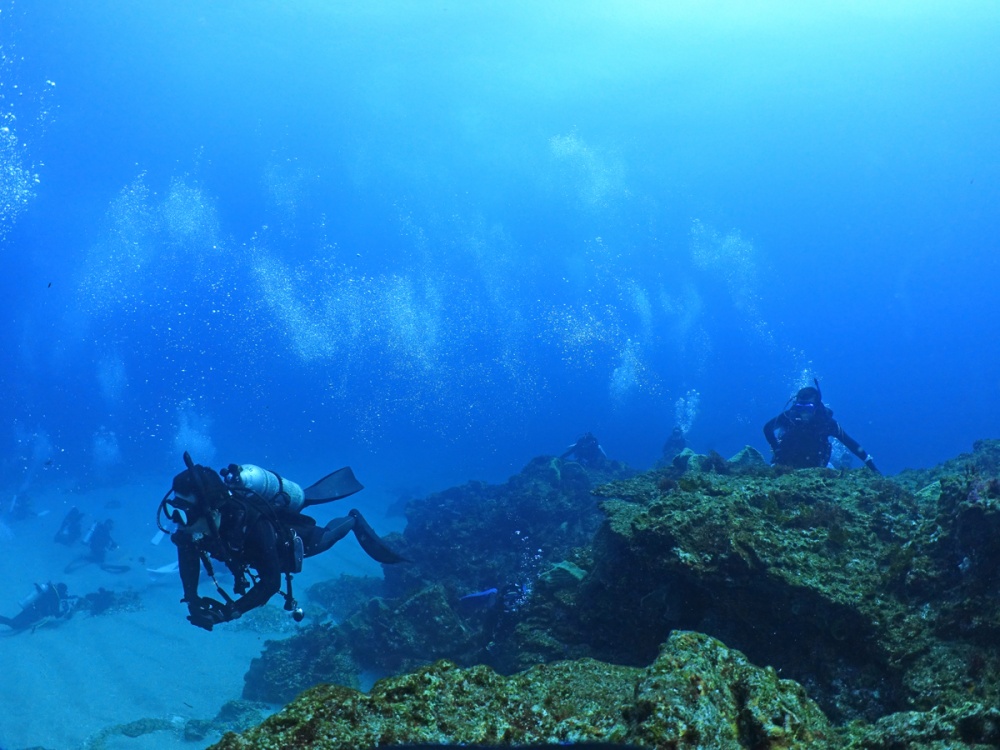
(808, 395)
(202, 483)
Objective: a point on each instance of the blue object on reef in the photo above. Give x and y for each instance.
(485, 598)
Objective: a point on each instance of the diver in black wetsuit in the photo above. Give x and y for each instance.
(70, 529)
(99, 543)
(587, 451)
(800, 435)
(47, 601)
(251, 521)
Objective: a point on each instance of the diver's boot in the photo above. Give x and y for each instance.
(370, 542)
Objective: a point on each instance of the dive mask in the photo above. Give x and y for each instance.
(179, 510)
(803, 410)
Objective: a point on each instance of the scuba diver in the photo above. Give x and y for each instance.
(800, 435)
(250, 519)
(675, 444)
(70, 529)
(98, 540)
(587, 451)
(47, 602)
(20, 508)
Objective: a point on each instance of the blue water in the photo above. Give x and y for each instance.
(436, 239)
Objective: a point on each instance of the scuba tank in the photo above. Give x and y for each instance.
(282, 494)
(34, 595)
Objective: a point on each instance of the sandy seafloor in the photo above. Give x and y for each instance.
(64, 683)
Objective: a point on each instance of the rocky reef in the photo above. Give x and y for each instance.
(697, 693)
(234, 716)
(879, 597)
(491, 540)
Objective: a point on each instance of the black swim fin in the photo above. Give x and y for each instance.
(372, 544)
(335, 486)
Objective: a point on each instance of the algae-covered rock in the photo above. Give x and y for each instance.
(875, 598)
(697, 693)
(479, 536)
(396, 636)
(341, 597)
(968, 725)
(748, 458)
(547, 626)
(984, 461)
(876, 595)
(286, 667)
(473, 538)
(790, 568)
(234, 716)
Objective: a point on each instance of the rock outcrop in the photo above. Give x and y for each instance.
(878, 596)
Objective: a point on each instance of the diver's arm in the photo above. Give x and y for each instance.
(188, 566)
(769, 429)
(48, 602)
(68, 606)
(262, 551)
(854, 446)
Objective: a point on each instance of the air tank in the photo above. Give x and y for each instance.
(33, 596)
(283, 494)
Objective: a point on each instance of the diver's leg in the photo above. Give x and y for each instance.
(23, 619)
(320, 538)
(370, 542)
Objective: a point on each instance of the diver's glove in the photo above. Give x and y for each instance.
(870, 463)
(206, 612)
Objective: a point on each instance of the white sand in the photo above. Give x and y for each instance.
(62, 684)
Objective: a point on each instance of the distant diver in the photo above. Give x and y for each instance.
(800, 435)
(587, 451)
(99, 542)
(250, 519)
(676, 442)
(70, 530)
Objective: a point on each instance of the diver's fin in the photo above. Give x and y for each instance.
(372, 544)
(335, 486)
(169, 568)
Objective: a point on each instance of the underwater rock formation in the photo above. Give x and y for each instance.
(317, 654)
(879, 596)
(697, 693)
(234, 716)
(473, 538)
(480, 536)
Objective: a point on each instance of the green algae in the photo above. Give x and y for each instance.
(697, 693)
(877, 595)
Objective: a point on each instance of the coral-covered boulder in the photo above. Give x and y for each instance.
(697, 693)
(877, 595)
